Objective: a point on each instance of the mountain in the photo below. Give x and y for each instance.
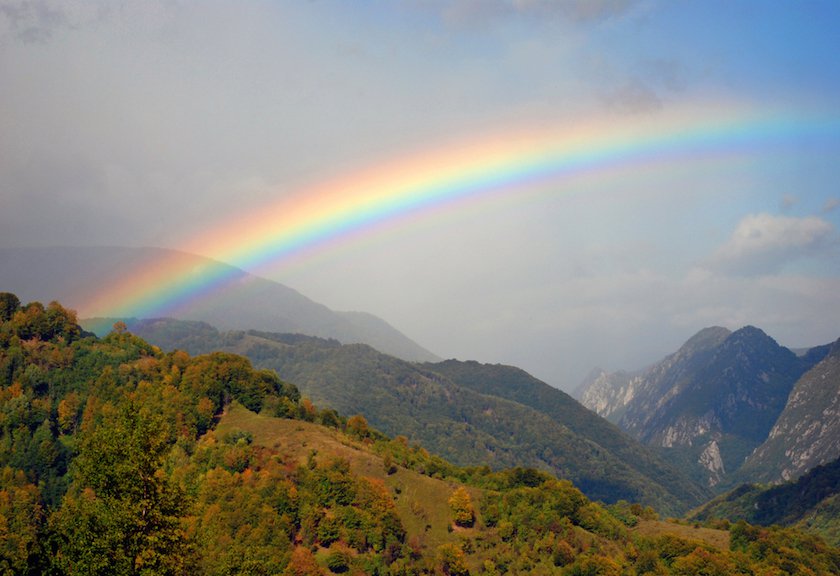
(812, 502)
(710, 404)
(608, 393)
(807, 432)
(516, 385)
(469, 413)
(119, 458)
(611, 394)
(73, 274)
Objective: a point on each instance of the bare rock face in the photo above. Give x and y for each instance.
(609, 393)
(807, 433)
(711, 460)
(708, 405)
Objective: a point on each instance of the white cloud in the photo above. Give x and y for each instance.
(32, 21)
(764, 243)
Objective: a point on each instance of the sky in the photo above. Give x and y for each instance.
(160, 122)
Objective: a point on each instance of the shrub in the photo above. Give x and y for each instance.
(338, 559)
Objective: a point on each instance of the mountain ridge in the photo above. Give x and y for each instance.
(467, 425)
(807, 432)
(515, 384)
(73, 274)
(708, 405)
(810, 502)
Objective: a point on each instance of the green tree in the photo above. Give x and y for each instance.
(221, 376)
(35, 321)
(330, 417)
(704, 562)
(9, 304)
(238, 527)
(122, 515)
(68, 412)
(339, 558)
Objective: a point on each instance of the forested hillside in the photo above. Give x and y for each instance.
(469, 413)
(517, 385)
(812, 502)
(118, 458)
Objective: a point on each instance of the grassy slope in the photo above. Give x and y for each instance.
(824, 520)
(711, 536)
(420, 500)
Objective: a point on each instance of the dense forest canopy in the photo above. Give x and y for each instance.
(119, 458)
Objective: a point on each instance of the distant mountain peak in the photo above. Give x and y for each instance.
(752, 334)
(707, 337)
(710, 403)
(72, 274)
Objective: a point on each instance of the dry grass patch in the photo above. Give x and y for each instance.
(652, 528)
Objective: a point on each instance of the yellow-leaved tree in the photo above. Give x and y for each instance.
(462, 508)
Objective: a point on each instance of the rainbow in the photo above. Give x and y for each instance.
(454, 177)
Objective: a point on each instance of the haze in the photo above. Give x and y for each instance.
(149, 123)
